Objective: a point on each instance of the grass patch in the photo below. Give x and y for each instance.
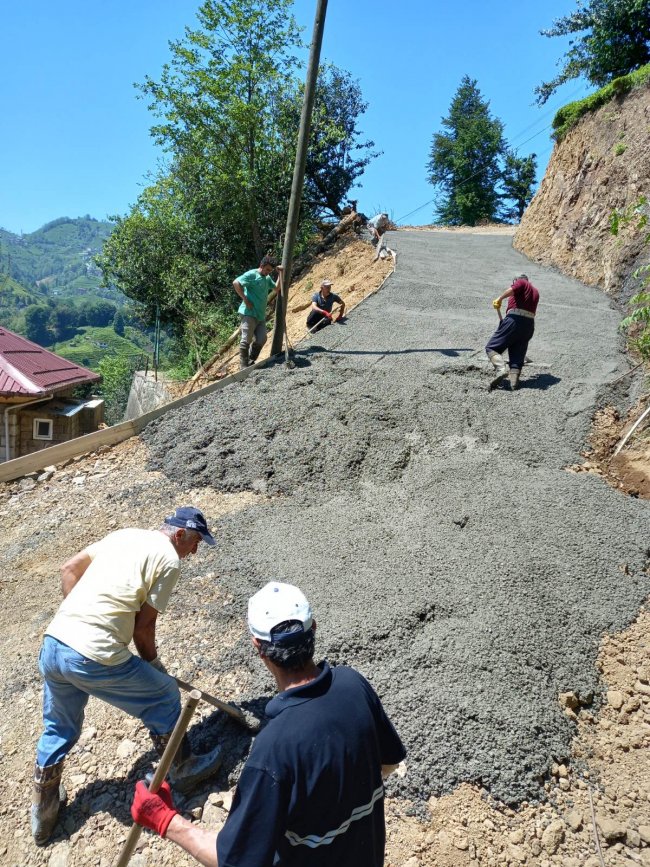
(90, 345)
(569, 115)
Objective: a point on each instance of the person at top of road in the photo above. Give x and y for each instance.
(515, 330)
(378, 225)
(311, 792)
(253, 287)
(114, 590)
(322, 302)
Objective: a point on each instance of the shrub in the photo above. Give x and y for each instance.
(569, 115)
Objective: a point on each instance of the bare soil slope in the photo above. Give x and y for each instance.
(602, 164)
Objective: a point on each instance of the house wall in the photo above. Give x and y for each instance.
(13, 432)
(21, 425)
(91, 418)
(64, 429)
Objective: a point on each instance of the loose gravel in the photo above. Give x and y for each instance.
(448, 553)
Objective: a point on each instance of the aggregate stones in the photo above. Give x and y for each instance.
(422, 639)
(447, 552)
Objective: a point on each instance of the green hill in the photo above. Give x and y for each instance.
(12, 294)
(50, 289)
(90, 345)
(58, 259)
(14, 298)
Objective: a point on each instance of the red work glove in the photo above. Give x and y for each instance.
(325, 313)
(153, 811)
(339, 317)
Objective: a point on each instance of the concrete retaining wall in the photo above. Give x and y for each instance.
(146, 394)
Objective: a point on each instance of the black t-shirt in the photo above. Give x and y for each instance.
(326, 303)
(311, 792)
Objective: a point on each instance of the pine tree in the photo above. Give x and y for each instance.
(464, 161)
(518, 181)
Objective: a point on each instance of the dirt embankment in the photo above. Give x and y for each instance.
(602, 164)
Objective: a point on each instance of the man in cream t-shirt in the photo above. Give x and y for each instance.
(114, 590)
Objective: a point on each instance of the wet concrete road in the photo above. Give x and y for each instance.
(448, 553)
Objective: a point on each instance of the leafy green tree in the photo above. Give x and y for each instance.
(518, 181)
(153, 256)
(64, 320)
(336, 157)
(615, 41)
(216, 96)
(222, 204)
(226, 104)
(118, 324)
(464, 161)
(98, 313)
(37, 318)
(117, 375)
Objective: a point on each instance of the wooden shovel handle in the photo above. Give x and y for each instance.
(162, 770)
(230, 709)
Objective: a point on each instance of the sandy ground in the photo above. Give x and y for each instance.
(355, 272)
(386, 443)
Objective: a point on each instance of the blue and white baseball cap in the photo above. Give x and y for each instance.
(190, 518)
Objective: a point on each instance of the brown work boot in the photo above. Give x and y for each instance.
(188, 769)
(47, 797)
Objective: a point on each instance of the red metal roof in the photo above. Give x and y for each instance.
(26, 368)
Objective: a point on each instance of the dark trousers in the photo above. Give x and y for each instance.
(514, 334)
(317, 321)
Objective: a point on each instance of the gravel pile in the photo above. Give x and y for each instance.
(448, 553)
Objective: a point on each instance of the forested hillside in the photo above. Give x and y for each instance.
(58, 258)
(51, 269)
(51, 292)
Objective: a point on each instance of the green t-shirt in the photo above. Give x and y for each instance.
(256, 289)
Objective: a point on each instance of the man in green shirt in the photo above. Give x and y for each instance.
(253, 288)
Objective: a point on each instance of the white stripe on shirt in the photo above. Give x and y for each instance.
(313, 841)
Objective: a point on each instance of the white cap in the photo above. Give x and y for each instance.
(274, 604)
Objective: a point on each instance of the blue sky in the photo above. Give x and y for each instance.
(75, 137)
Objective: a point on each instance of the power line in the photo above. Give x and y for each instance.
(546, 114)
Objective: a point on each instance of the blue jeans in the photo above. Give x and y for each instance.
(135, 687)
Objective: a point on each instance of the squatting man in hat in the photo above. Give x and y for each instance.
(515, 330)
(253, 287)
(114, 590)
(311, 791)
(322, 303)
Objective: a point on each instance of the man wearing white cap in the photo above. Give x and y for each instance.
(311, 792)
(322, 302)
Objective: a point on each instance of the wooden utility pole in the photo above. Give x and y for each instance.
(299, 173)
